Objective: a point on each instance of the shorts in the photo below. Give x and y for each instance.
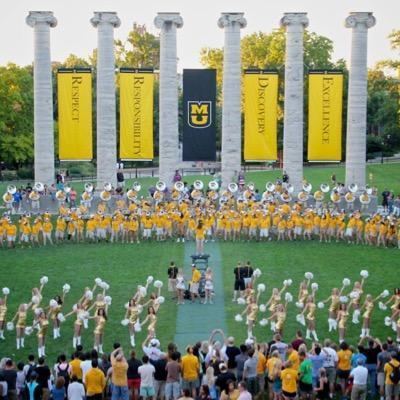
(343, 374)
(159, 388)
(134, 383)
(147, 391)
(159, 231)
(194, 288)
(331, 374)
(289, 394)
(381, 379)
(119, 393)
(305, 387)
(11, 238)
(392, 390)
(190, 384)
(264, 232)
(25, 238)
(239, 285)
(277, 386)
(172, 390)
(146, 233)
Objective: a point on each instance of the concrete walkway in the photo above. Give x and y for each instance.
(195, 321)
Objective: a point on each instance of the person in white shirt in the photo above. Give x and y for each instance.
(153, 351)
(76, 390)
(329, 364)
(360, 378)
(146, 372)
(86, 365)
(244, 394)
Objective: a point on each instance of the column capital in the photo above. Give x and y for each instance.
(294, 18)
(41, 17)
(105, 17)
(360, 18)
(163, 18)
(230, 18)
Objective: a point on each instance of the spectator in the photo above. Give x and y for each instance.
(10, 376)
(224, 377)
(250, 372)
(186, 395)
(30, 367)
(343, 366)
(280, 346)
(392, 383)
(317, 359)
(172, 387)
(160, 376)
(146, 372)
(204, 393)
(323, 388)
(261, 367)
(58, 391)
(371, 355)
(190, 371)
(33, 389)
(293, 357)
(3, 387)
(360, 378)
(298, 341)
(76, 390)
(305, 376)
(240, 360)
(383, 358)
(152, 351)
(75, 366)
(95, 382)
(230, 392)
(63, 369)
(119, 376)
(289, 378)
(329, 365)
(243, 393)
(274, 367)
(231, 352)
(43, 376)
(21, 380)
(86, 365)
(358, 356)
(133, 375)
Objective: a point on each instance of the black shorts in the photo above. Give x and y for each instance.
(305, 387)
(287, 394)
(239, 285)
(343, 374)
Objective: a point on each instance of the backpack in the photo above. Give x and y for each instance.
(29, 372)
(395, 374)
(64, 373)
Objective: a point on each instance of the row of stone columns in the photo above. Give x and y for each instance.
(168, 23)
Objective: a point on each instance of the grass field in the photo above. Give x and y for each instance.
(383, 175)
(126, 266)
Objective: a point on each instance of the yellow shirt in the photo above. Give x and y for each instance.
(196, 276)
(344, 359)
(119, 377)
(388, 370)
(75, 365)
(95, 381)
(261, 364)
(294, 359)
(190, 367)
(289, 378)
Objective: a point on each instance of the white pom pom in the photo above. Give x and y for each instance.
(35, 299)
(238, 318)
(299, 304)
(10, 326)
(382, 306)
(125, 322)
(321, 305)
(142, 291)
(6, 291)
(385, 294)
(343, 299)
(264, 322)
(89, 295)
(260, 287)
(241, 301)
(60, 317)
(346, 282)
(388, 321)
(289, 282)
(106, 286)
(53, 303)
(38, 311)
(108, 300)
(158, 284)
(364, 273)
(101, 284)
(150, 280)
(44, 280)
(66, 288)
(285, 283)
(314, 286)
(137, 327)
(28, 330)
(309, 275)
(160, 299)
(257, 273)
(300, 319)
(98, 281)
(288, 297)
(263, 308)
(126, 306)
(75, 307)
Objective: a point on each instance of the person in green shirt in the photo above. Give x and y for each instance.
(305, 376)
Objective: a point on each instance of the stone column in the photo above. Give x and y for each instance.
(105, 22)
(294, 23)
(168, 124)
(231, 149)
(41, 22)
(356, 140)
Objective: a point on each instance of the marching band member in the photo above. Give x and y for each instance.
(209, 286)
(47, 230)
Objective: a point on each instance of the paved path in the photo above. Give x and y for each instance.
(194, 322)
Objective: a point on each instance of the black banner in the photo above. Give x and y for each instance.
(199, 92)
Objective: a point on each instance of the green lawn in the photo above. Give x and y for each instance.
(383, 175)
(126, 266)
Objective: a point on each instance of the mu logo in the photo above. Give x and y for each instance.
(199, 114)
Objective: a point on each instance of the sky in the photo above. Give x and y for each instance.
(75, 34)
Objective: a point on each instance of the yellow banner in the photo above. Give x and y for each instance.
(260, 115)
(325, 97)
(75, 115)
(136, 115)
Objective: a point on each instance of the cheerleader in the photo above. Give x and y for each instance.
(132, 315)
(368, 307)
(3, 312)
(275, 299)
(280, 317)
(355, 296)
(395, 315)
(54, 310)
(81, 316)
(101, 318)
(20, 326)
(209, 286)
(42, 323)
(37, 299)
(395, 299)
(303, 293)
(180, 286)
(310, 308)
(99, 303)
(153, 301)
(251, 316)
(152, 320)
(334, 298)
(341, 319)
